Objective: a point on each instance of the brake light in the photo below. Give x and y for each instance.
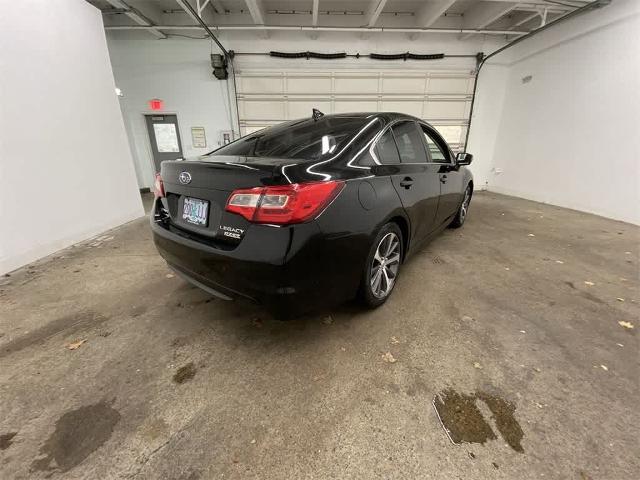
(286, 204)
(158, 185)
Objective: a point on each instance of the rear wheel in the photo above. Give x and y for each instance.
(461, 216)
(382, 266)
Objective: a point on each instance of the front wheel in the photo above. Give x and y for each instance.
(461, 216)
(382, 266)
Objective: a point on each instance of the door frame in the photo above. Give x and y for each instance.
(148, 144)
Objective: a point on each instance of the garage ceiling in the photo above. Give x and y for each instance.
(464, 17)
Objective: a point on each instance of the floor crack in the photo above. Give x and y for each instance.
(146, 457)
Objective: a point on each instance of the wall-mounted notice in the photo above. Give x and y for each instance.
(226, 136)
(166, 137)
(198, 137)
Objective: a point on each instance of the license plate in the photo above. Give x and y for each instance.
(195, 210)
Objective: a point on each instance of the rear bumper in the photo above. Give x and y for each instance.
(282, 268)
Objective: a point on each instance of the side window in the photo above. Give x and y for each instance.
(437, 153)
(409, 143)
(386, 149)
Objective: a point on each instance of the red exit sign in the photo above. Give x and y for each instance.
(156, 104)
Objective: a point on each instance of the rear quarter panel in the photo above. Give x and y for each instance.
(351, 223)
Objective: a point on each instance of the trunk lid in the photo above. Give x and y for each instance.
(224, 173)
(196, 193)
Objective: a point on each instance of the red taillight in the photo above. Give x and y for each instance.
(158, 186)
(284, 204)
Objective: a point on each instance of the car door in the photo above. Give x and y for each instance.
(415, 180)
(449, 175)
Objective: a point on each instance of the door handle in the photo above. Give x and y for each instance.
(406, 182)
(443, 178)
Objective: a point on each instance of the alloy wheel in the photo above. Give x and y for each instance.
(465, 205)
(384, 266)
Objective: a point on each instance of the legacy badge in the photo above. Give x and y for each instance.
(231, 232)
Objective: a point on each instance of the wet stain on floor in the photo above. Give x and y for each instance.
(78, 434)
(6, 440)
(463, 421)
(504, 416)
(462, 418)
(54, 327)
(185, 373)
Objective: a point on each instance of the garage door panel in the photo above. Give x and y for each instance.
(264, 109)
(303, 108)
(448, 85)
(267, 84)
(445, 110)
(308, 85)
(246, 130)
(451, 133)
(442, 97)
(351, 106)
(467, 109)
(410, 107)
(403, 85)
(358, 85)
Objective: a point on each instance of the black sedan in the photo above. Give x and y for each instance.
(311, 212)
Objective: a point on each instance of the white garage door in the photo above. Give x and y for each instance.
(441, 98)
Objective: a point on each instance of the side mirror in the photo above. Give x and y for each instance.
(464, 159)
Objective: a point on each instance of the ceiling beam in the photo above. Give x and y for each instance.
(545, 3)
(256, 9)
(535, 8)
(218, 7)
(294, 28)
(482, 14)
(201, 6)
(135, 15)
(314, 13)
(374, 11)
(191, 15)
(524, 20)
(432, 11)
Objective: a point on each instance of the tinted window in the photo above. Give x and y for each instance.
(409, 143)
(436, 152)
(305, 139)
(386, 150)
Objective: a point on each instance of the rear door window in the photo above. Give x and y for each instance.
(410, 144)
(386, 150)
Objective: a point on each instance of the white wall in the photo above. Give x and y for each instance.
(487, 113)
(66, 173)
(571, 135)
(178, 71)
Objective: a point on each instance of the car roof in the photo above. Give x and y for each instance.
(386, 117)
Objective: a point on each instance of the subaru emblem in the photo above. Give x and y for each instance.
(184, 177)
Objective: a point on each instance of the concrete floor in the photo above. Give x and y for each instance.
(500, 306)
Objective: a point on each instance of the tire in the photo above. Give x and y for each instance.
(463, 209)
(381, 269)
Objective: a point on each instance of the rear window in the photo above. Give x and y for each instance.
(307, 140)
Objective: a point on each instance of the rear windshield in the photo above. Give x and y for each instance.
(306, 139)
